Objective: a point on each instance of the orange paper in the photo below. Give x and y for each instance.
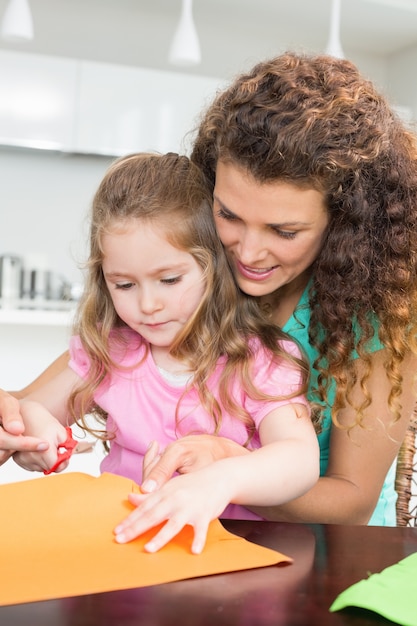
(57, 541)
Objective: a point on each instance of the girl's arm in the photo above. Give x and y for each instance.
(45, 414)
(286, 466)
(42, 423)
(359, 461)
(12, 430)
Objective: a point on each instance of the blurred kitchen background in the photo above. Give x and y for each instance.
(95, 79)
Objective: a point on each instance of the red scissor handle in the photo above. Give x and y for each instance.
(65, 451)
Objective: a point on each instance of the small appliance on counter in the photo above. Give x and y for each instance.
(10, 277)
(23, 286)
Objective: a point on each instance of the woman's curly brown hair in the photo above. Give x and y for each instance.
(316, 122)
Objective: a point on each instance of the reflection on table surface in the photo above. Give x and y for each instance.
(327, 559)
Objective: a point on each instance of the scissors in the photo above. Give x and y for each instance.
(65, 451)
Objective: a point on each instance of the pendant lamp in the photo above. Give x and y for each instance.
(17, 23)
(185, 46)
(334, 46)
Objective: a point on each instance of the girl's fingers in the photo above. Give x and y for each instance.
(200, 536)
(177, 504)
(167, 532)
(139, 521)
(62, 467)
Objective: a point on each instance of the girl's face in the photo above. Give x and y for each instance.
(154, 286)
(272, 232)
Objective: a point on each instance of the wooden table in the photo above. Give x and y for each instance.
(327, 559)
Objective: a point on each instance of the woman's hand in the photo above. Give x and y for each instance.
(39, 422)
(181, 501)
(189, 454)
(12, 429)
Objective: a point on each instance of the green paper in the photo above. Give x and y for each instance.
(391, 593)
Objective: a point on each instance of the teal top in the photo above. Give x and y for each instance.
(297, 327)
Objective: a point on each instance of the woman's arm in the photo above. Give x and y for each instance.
(284, 467)
(359, 461)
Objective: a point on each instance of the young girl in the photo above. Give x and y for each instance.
(168, 346)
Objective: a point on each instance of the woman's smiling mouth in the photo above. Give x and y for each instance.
(255, 273)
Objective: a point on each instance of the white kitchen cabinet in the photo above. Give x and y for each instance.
(37, 100)
(127, 109)
(81, 106)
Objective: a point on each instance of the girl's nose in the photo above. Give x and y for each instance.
(149, 301)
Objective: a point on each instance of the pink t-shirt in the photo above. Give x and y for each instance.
(141, 405)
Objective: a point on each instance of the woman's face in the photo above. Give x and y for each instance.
(272, 232)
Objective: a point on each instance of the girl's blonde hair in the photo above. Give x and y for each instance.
(170, 192)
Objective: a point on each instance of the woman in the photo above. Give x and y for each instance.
(315, 200)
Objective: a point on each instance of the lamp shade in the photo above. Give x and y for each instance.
(334, 46)
(17, 23)
(185, 46)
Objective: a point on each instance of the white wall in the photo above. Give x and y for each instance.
(44, 201)
(402, 82)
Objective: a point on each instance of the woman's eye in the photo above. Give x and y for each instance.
(285, 234)
(124, 286)
(225, 215)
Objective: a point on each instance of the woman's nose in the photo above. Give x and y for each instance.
(251, 247)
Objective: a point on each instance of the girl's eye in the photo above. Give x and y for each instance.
(173, 280)
(124, 286)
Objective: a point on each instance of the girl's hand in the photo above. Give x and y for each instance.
(40, 423)
(188, 499)
(284, 467)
